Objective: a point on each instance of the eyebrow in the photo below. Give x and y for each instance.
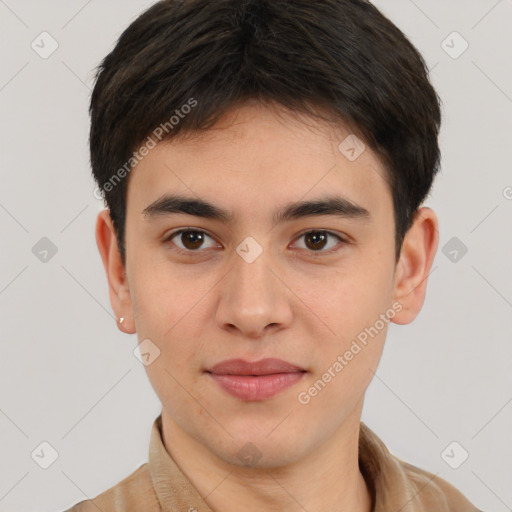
(331, 205)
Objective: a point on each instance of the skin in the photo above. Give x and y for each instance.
(200, 309)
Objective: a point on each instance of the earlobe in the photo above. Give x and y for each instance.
(414, 266)
(119, 291)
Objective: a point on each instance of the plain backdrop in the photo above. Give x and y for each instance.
(69, 377)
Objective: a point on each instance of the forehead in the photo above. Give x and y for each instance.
(255, 157)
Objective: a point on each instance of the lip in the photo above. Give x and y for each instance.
(256, 380)
(267, 366)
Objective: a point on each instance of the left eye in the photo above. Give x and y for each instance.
(191, 240)
(317, 240)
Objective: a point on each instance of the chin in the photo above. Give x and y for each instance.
(259, 452)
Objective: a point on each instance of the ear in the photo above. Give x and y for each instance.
(418, 250)
(119, 291)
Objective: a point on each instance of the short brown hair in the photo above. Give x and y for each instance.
(342, 58)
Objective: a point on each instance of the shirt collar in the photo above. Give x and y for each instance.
(388, 482)
(173, 489)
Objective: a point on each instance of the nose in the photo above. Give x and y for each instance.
(254, 300)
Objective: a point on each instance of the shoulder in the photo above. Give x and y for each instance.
(433, 492)
(135, 492)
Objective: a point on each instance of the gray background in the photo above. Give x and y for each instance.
(70, 378)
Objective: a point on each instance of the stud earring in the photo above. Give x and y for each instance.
(121, 320)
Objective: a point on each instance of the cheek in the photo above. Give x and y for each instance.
(166, 297)
(349, 303)
(346, 300)
(336, 389)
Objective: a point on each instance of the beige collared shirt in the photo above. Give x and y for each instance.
(396, 486)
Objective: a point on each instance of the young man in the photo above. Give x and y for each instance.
(264, 164)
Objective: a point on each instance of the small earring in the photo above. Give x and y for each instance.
(121, 320)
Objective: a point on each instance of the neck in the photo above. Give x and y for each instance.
(328, 478)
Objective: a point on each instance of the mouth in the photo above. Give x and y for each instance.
(257, 380)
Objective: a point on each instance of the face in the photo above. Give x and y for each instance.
(304, 287)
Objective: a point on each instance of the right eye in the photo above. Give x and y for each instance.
(191, 239)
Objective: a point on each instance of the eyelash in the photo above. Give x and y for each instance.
(312, 253)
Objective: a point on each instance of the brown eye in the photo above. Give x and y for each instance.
(190, 239)
(316, 241)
